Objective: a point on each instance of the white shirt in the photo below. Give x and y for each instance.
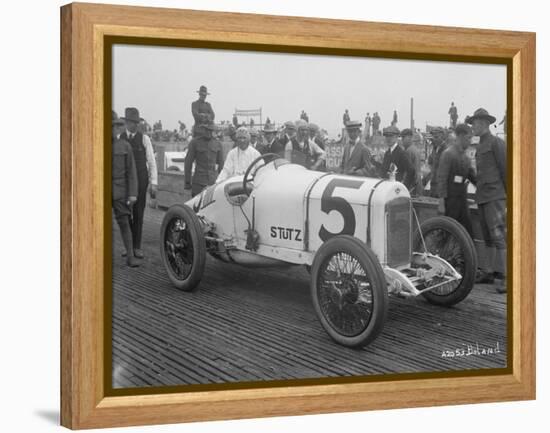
(394, 146)
(352, 146)
(237, 161)
(150, 155)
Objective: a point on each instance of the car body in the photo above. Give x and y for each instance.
(290, 215)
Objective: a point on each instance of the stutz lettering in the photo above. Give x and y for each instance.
(286, 233)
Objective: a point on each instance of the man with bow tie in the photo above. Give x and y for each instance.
(146, 166)
(357, 159)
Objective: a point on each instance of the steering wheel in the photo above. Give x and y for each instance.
(272, 156)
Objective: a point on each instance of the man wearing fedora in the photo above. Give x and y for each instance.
(207, 154)
(146, 166)
(491, 197)
(396, 156)
(271, 144)
(201, 110)
(124, 185)
(357, 159)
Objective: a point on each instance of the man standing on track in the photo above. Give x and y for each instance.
(146, 166)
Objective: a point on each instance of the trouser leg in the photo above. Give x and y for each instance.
(126, 234)
(137, 215)
(500, 269)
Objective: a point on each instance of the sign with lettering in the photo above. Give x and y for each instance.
(334, 153)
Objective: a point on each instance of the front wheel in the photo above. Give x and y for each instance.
(448, 239)
(349, 292)
(182, 247)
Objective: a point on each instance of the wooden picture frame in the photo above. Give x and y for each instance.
(84, 29)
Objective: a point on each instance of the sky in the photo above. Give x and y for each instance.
(162, 83)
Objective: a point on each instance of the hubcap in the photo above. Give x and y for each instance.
(345, 294)
(178, 247)
(442, 243)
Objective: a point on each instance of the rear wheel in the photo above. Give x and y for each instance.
(349, 292)
(447, 238)
(183, 248)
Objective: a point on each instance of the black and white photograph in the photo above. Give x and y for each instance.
(288, 216)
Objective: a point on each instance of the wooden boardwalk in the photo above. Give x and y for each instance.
(245, 324)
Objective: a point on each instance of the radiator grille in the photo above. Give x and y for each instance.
(398, 232)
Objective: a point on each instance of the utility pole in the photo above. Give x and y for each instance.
(412, 114)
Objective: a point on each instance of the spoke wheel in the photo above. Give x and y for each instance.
(183, 248)
(349, 291)
(446, 238)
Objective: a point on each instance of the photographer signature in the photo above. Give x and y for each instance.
(472, 350)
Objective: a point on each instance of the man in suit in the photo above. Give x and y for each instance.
(438, 147)
(202, 111)
(270, 144)
(396, 155)
(146, 166)
(357, 159)
(413, 153)
(124, 185)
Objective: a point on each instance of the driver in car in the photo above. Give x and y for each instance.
(240, 157)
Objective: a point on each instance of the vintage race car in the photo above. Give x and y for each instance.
(359, 238)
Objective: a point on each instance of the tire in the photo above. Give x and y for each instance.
(341, 310)
(448, 239)
(182, 247)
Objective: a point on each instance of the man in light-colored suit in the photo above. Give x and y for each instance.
(357, 159)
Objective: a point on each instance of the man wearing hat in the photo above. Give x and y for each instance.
(357, 159)
(271, 144)
(201, 110)
(375, 124)
(368, 121)
(146, 166)
(345, 117)
(303, 151)
(314, 135)
(396, 155)
(239, 158)
(439, 146)
(413, 154)
(453, 114)
(454, 173)
(207, 154)
(124, 185)
(491, 197)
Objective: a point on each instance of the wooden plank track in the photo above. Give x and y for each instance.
(245, 324)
